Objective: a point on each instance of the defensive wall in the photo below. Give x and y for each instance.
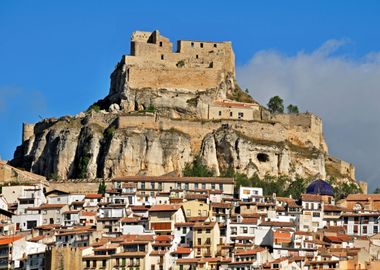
(301, 133)
(195, 65)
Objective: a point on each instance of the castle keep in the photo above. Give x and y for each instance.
(195, 65)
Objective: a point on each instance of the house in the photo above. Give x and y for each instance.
(162, 218)
(206, 237)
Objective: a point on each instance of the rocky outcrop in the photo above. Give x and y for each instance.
(94, 146)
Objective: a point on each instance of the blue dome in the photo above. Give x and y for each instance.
(320, 187)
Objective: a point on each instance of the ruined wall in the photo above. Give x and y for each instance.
(339, 168)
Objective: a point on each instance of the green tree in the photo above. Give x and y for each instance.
(292, 108)
(276, 105)
(197, 168)
(296, 188)
(342, 190)
(102, 187)
(377, 191)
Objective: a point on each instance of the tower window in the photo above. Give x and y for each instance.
(160, 43)
(215, 45)
(196, 56)
(192, 44)
(162, 57)
(201, 45)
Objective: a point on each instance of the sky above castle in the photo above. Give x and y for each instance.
(55, 59)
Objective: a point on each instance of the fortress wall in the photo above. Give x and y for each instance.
(199, 129)
(340, 166)
(27, 131)
(188, 78)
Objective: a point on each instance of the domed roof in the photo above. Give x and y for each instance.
(320, 187)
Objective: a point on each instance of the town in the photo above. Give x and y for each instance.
(183, 223)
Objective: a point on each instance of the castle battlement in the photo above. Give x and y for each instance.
(195, 65)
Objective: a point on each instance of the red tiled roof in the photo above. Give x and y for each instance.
(5, 240)
(182, 250)
(51, 206)
(363, 197)
(93, 196)
(248, 251)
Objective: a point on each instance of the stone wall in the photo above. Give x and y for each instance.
(177, 78)
(76, 187)
(280, 131)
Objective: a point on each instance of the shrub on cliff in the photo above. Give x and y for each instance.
(197, 169)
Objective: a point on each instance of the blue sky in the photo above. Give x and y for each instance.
(56, 57)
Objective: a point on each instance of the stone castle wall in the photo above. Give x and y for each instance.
(196, 65)
(303, 133)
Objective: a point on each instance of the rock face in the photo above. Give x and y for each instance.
(165, 108)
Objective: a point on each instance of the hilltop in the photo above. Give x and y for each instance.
(165, 108)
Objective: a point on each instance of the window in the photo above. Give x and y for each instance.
(184, 230)
(375, 229)
(199, 241)
(220, 113)
(364, 229)
(231, 114)
(204, 186)
(152, 185)
(240, 115)
(316, 214)
(196, 185)
(208, 241)
(201, 45)
(215, 45)
(142, 185)
(186, 186)
(213, 186)
(208, 230)
(233, 230)
(196, 56)
(160, 43)
(160, 186)
(221, 187)
(192, 44)
(188, 212)
(162, 57)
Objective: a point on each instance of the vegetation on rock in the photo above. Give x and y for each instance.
(197, 169)
(292, 109)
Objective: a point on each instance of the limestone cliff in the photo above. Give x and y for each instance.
(163, 109)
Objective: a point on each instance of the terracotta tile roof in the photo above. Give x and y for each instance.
(93, 196)
(182, 250)
(130, 219)
(107, 247)
(332, 208)
(196, 196)
(184, 224)
(139, 208)
(46, 206)
(234, 104)
(363, 197)
(311, 197)
(249, 251)
(6, 240)
(165, 208)
(277, 224)
(202, 225)
(77, 203)
(37, 238)
(221, 205)
(72, 212)
(87, 214)
(197, 219)
(130, 254)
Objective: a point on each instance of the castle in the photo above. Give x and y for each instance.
(196, 65)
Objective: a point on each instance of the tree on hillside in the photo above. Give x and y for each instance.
(276, 105)
(344, 189)
(197, 168)
(292, 108)
(102, 188)
(296, 188)
(377, 191)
